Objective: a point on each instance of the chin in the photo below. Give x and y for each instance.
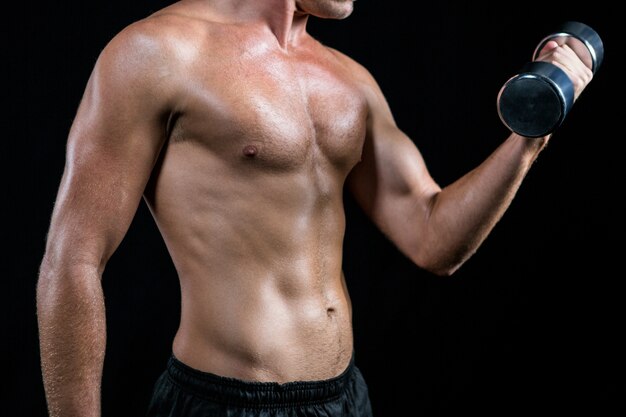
(326, 9)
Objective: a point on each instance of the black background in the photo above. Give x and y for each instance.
(533, 322)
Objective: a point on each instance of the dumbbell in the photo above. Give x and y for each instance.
(534, 102)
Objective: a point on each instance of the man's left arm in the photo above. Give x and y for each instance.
(439, 229)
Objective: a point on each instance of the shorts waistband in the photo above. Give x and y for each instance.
(232, 391)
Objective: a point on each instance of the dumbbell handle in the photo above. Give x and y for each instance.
(592, 55)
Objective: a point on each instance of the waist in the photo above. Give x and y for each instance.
(263, 333)
(254, 394)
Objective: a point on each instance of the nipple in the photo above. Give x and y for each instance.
(250, 151)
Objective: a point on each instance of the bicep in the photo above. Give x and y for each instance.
(391, 174)
(392, 183)
(112, 147)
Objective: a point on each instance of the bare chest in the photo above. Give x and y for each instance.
(273, 113)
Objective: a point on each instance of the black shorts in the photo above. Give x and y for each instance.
(182, 391)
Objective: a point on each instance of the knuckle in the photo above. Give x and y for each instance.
(580, 83)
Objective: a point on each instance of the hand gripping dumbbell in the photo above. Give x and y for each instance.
(534, 102)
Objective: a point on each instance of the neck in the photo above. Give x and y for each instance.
(282, 17)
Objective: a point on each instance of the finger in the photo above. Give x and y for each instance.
(562, 56)
(567, 59)
(578, 81)
(575, 62)
(547, 48)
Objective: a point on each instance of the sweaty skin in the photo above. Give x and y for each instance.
(241, 131)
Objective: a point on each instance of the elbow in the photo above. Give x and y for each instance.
(48, 272)
(47, 279)
(65, 273)
(45, 275)
(45, 291)
(71, 262)
(46, 267)
(66, 287)
(443, 270)
(439, 264)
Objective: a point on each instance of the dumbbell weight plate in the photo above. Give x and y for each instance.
(535, 102)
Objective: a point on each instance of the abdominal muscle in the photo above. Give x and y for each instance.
(256, 332)
(259, 262)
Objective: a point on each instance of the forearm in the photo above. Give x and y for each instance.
(465, 212)
(72, 334)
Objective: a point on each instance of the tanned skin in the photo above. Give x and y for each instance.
(241, 131)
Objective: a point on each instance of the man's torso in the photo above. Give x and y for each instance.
(247, 194)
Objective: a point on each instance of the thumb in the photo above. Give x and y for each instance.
(549, 46)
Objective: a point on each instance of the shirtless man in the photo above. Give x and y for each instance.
(240, 131)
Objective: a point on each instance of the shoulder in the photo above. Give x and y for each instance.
(149, 58)
(153, 43)
(358, 72)
(360, 75)
(364, 82)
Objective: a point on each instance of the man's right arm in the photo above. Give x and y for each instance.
(441, 228)
(113, 144)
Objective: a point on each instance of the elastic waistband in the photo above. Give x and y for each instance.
(232, 391)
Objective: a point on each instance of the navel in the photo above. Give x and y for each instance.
(250, 151)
